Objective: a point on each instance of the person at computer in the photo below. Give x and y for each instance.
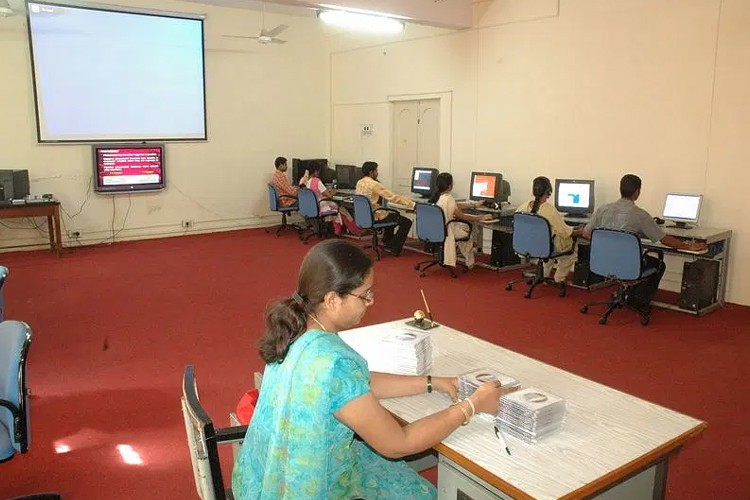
(452, 210)
(284, 189)
(625, 215)
(562, 234)
(368, 185)
(323, 194)
(318, 392)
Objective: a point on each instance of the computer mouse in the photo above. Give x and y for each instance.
(659, 220)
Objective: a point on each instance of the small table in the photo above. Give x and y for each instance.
(613, 445)
(48, 209)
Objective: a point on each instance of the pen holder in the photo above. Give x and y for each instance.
(422, 324)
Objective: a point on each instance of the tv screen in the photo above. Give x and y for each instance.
(125, 168)
(106, 75)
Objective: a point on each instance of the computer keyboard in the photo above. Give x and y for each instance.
(472, 211)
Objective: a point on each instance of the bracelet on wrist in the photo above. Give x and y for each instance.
(429, 384)
(473, 408)
(464, 411)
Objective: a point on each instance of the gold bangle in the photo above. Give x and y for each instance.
(473, 408)
(464, 411)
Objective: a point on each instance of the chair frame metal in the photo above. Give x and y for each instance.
(284, 211)
(437, 248)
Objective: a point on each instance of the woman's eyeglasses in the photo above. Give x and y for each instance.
(368, 297)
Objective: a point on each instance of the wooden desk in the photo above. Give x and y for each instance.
(50, 210)
(613, 445)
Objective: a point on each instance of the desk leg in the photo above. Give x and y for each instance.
(51, 232)
(58, 235)
(723, 272)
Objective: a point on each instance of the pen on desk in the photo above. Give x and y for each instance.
(429, 314)
(499, 435)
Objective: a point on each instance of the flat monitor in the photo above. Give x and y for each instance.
(682, 208)
(347, 176)
(126, 168)
(423, 181)
(574, 197)
(488, 186)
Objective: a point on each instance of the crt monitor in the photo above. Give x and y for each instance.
(347, 176)
(682, 208)
(423, 181)
(299, 167)
(488, 186)
(574, 196)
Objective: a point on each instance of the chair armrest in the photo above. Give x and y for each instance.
(389, 210)
(287, 196)
(658, 252)
(231, 434)
(10, 406)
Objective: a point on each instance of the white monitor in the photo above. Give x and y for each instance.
(682, 208)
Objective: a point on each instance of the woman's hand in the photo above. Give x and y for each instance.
(486, 398)
(446, 385)
(486, 217)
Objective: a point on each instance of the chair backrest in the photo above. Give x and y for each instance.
(430, 223)
(616, 254)
(15, 339)
(3, 275)
(362, 211)
(273, 198)
(532, 235)
(201, 436)
(308, 203)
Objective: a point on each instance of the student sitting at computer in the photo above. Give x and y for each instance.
(369, 186)
(624, 215)
(318, 392)
(562, 234)
(282, 185)
(443, 198)
(322, 193)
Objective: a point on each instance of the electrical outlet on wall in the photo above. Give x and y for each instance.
(367, 129)
(74, 235)
(187, 224)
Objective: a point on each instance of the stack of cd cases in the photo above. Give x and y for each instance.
(469, 382)
(531, 414)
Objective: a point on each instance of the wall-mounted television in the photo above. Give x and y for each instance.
(127, 168)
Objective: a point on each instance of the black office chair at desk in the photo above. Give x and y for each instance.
(617, 255)
(532, 239)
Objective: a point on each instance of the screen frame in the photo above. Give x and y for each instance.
(679, 219)
(576, 210)
(119, 10)
(128, 188)
(433, 181)
(352, 168)
(499, 196)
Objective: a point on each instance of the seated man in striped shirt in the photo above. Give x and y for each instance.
(282, 185)
(369, 186)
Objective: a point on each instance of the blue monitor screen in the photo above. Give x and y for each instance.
(574, 196)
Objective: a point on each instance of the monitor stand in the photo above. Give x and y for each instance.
(578, 216)
(682, 225)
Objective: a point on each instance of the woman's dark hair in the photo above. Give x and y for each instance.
(443, 183)
(541, 187)
(314, 167)
(331, 266)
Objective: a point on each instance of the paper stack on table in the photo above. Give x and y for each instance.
(403, 351)
(469, 382)
(531, 414)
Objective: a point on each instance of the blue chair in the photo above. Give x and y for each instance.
(432, 230)
(204, 440)
(364, 218)
(15, 340)
(618, 255)
(532, 239)
(3, 275)
(309, 207)
(273, 201)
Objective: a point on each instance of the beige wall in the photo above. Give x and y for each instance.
(262, 101)
(592, 89)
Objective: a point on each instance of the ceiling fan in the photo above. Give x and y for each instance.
(265, 36)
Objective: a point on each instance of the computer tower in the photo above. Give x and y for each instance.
(15, 184)
(502, 253)
(700, 281)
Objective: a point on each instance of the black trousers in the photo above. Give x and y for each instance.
(394, 240)
(643, 293)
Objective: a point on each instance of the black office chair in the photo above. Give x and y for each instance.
(273, 202)
(365, 220)
(532, 238)
(309, 207)
(618, 255)
(204, 440)
(432, 230)
(15, 340)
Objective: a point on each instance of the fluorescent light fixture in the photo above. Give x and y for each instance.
(5, 9)
(361, 22)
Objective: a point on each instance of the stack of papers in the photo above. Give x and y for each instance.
(531, 414)
(403, 351)
(470, 382)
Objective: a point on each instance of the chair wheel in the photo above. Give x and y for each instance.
(602, 321)
(509, 287)
(527, 295)
(562, 292)
(645, 320)
(416, 267)
(584, 309)
(422, 275)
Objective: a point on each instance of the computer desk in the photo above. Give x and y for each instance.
(48, 209)
(612, 445)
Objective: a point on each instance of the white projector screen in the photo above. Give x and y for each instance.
(104, 75)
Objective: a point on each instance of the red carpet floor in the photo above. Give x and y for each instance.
(115, 326)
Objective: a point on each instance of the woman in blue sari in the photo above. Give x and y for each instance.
(318, 392)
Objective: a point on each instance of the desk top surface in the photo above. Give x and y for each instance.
(607, 435)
